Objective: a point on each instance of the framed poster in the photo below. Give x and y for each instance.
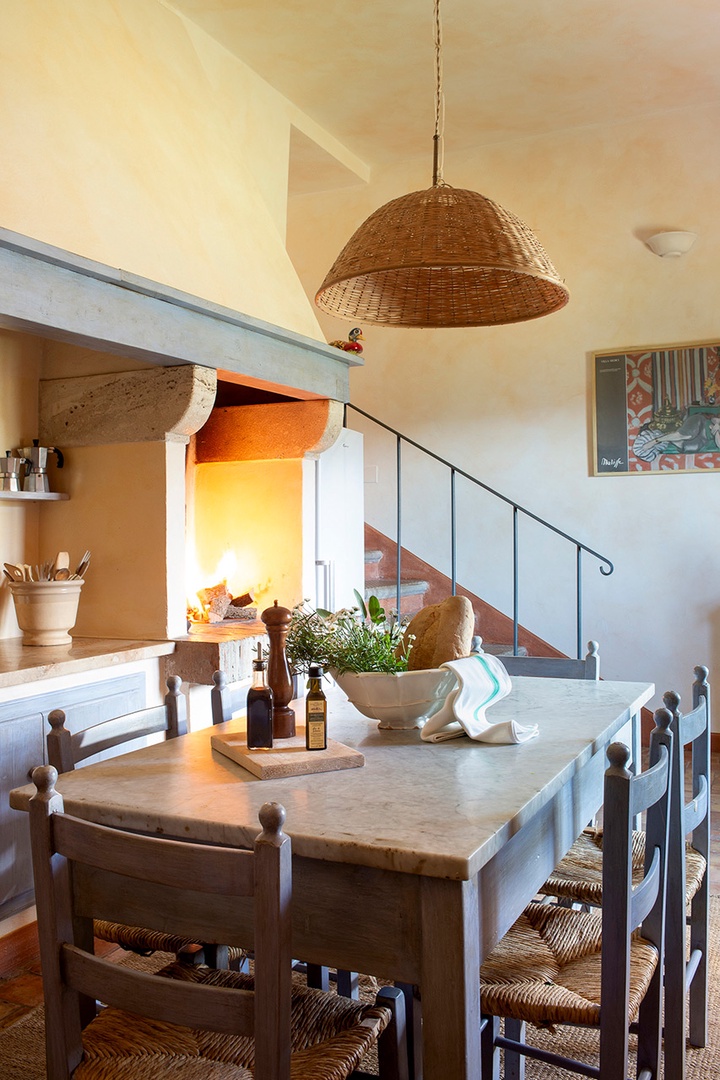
(657, 410)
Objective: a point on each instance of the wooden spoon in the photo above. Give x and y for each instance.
(62, 566)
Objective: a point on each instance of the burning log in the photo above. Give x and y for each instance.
(215, 601)
(242, 601)
(217, 604)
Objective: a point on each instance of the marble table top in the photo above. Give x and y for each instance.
(421, 808)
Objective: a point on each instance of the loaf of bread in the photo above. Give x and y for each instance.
(441, 632)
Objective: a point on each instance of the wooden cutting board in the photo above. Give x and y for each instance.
(288, 757)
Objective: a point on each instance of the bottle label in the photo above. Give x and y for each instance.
(315, 708)
(315, 734)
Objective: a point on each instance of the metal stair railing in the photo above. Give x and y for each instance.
(606, 567)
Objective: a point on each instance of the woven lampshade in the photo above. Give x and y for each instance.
(438, 258)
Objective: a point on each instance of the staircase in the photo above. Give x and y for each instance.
(422, 584)
(412, 583)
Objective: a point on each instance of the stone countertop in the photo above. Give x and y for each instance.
(442, 809)
(21, 664)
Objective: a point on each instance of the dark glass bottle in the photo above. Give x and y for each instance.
(315, 711)
(259, 707)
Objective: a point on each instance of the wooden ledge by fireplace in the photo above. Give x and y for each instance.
(208, 647)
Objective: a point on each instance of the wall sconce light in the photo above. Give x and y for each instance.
(671, 245)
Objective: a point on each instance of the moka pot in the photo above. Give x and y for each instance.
(36, 478)
(10, 467)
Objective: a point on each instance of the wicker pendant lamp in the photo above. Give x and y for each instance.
(442, 257)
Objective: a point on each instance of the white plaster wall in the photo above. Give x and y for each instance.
(512, 404)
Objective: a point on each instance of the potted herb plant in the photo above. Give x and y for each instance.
(367, 652)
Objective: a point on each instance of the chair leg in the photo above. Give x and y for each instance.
(393, 1058)
(698, 993)
(216, 956)
(348, 984)
(514, 1063)
(489, 1053)
(413, 1018)
(318, 977)
(676, 1004)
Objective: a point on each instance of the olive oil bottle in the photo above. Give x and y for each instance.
(315, 711)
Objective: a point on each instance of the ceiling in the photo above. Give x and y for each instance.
(364, 69)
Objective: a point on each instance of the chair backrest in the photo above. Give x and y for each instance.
(226, 698)
(85, 871)
(624, 908)
(555, 667)
(686, 977)
(65, 749)
(690, 816)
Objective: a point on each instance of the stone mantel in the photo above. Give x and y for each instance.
(53, 293)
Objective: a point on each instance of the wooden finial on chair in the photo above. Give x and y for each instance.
(663, 718)
(44, 777)
(701, 675)
(272, 818)
(618, 755)
(671, 700)
(56, 719)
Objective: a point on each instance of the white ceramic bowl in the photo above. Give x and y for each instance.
(397, 700)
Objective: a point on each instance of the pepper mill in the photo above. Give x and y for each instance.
(277, 620)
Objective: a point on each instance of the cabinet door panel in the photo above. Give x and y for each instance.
(23, 728)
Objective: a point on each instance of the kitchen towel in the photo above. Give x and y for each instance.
(482, 681)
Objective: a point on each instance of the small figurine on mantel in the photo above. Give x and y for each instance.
(353, 341)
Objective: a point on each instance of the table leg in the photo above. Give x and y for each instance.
(450, 983)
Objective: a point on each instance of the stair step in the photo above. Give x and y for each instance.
(373, 556)
(385, 590)
(502, 650)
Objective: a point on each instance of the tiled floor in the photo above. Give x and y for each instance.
(21, 990)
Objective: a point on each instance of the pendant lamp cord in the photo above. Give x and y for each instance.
(438, 148)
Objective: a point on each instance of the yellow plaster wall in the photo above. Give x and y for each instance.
(512, 404)
(132, 138)
(116, 510)
(20, 356)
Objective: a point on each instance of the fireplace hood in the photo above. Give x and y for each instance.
(137, 516)
(52, 293)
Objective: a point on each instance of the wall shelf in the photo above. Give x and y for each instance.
(34, 496)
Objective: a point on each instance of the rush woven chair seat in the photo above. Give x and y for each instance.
(329, 1037)
(186, 1023)
(547, 969)
(601, 969)
(67, 749)
(578, 876)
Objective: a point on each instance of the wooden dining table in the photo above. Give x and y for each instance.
(411, 867)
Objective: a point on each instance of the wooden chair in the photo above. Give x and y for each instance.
(66, 750)
(555, 667)
(231, 1026)
(558, 965)
(579, 876)
(226, 698)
